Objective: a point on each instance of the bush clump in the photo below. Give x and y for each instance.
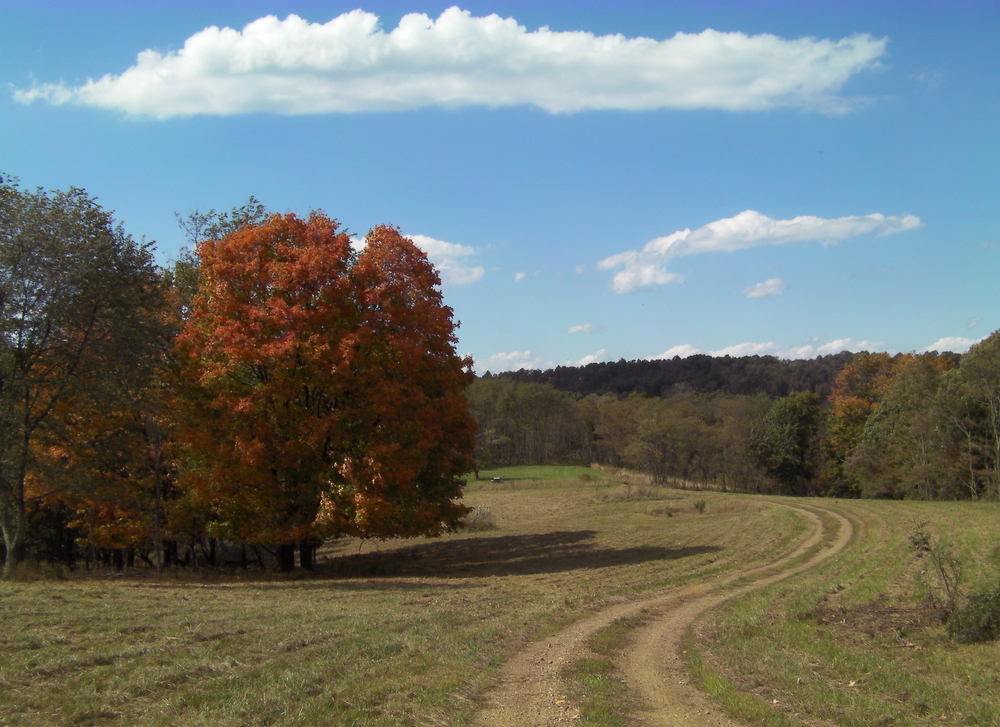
(979, 620)
(480, 519)
(920, 539)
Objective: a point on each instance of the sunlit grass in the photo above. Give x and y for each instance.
(400, 633)
(856, 641)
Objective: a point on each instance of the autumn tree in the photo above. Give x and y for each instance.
(333, 398)
(858, 392)
(108, 452)
(902, 448)
(75, 298)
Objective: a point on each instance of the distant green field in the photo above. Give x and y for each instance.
(543, 473)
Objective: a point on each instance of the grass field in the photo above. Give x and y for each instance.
(859, 641)
(412, 632)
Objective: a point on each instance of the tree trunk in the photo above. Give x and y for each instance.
(13, 539)
(286, 558)
(307, 555)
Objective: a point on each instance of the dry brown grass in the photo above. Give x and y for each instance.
(400, 633)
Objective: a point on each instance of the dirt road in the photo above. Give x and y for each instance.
(530, 692)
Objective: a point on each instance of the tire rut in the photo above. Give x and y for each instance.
(530, 692)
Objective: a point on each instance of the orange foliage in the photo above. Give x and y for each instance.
(333, 398)
(861, 387)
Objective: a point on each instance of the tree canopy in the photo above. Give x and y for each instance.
(79, 304)
(333, 400)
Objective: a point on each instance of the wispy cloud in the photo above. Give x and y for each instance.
(930, 78)
(751, 348)
(583, 328)
(746, 349)
(645, 267)
(450, 259)
(351, 64)
(510, 362)
(683, 351)
(835, 346)
(588, 359)
(772, 288)
(956, 344)
(518, 277)
(973, 322)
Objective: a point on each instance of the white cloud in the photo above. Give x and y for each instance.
(746, 349)
(518, 277)
(956, 344)
(973, 322)
(770, 348)
(588, 359)
(351, 64)
(836, 346)
(746, 230)
(583, 328)
(449, 259)
(772, 288)
(510, 362)
(684, 350)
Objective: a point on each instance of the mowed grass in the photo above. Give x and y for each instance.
(398, 633)
(858, 641)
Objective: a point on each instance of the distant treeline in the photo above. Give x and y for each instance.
(699, 374)
(921, 426)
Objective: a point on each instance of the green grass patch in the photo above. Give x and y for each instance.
(729, 695)
(601, 694)
(610, 640)
(856, 641)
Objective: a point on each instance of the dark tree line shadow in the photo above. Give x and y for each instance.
(503, 555)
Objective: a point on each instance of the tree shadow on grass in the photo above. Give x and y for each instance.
(503, 555)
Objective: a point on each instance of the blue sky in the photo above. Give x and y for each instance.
(595, 181)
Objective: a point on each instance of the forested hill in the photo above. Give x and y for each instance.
(702, 374)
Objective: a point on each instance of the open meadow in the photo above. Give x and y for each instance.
(416, 632)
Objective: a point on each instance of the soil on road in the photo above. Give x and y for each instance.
(531, 693)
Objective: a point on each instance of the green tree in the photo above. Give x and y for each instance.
(786, 443)
(902, 450)
(77, 303)
(979, 379)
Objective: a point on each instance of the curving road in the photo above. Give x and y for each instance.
(530, 692)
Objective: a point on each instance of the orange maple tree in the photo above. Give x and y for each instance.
(331, 396)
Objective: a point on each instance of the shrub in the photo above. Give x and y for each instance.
(920, 539)
(951, 575)
(979, 620)
(480, 519)
(700, 506)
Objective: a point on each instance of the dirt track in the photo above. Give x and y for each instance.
(531, 694)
